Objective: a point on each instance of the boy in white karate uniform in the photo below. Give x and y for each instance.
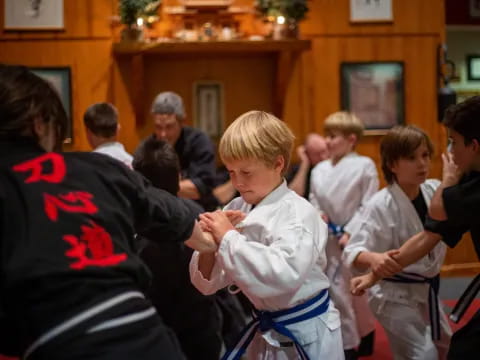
(339, 187)
(275, 255)
(405, 304)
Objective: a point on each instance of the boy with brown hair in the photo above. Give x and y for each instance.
(406, 305)
(453, 211)
(101, 123)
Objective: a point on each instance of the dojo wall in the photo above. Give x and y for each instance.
(313, 90)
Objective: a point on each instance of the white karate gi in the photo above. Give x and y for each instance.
(277, 258)
(115, 150)
(388, 220)
(340, 191)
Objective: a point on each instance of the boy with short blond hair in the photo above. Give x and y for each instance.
(340, 186)
(275, 255)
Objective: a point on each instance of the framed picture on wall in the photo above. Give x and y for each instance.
(371, 11)
(374, 91)
(34, 15)
(473, 67)
(208, 107)
(60, 78)
(474, 9)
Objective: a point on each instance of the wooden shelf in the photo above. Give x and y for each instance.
(232, 46)
(284, 52)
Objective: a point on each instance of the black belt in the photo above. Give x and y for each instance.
(434, 282)
(465, 300)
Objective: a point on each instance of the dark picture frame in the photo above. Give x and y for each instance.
(374, 91)
(473, 67)
(61, 80)
(208, 107)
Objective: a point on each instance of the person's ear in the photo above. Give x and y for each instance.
(279, 163)
(475, 145)
(352, 139)
(118, 129)
(39, 127)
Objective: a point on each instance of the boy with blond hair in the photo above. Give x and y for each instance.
(339, 188)
(275, 255)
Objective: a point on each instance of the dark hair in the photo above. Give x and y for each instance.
(464, 118)
(25, 97)
(401, 142)
(101, 119)
(158, 162)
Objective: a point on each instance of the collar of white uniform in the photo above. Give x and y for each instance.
(275, 195)
(110, 144)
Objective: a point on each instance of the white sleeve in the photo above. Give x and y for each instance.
(312, 196)
(218, 279)
(271, 270)
(374, 233)
(370, 186)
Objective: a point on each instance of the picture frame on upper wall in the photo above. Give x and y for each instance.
(473, 67)
(474, 9)
(34, 15)
(209, 108)
(364, 11)
(61, 80)
(374, 91)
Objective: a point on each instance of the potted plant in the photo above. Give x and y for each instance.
(288, 12)
(131, 11)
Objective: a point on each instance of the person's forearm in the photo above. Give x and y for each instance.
(298, 182)
(362, 261)
(201, 241)
(417, 247)
(437, 209)
(188, 190)
(206, 262)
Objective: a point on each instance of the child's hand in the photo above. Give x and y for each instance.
(302, 154)
(343, 241)
(235, 216)
(217, 223)
(359, 284)
(325, 218)
(451, 174)
(383, 264)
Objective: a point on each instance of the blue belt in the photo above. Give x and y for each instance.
(434, 282)
(278, 321)
(335, 229)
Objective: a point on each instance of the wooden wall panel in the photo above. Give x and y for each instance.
(247, 83)
(313, 90)
(331, 17)
(90, 62)
(418, 55)
(82, 19)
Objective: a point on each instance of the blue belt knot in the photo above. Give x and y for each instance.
(278, 321)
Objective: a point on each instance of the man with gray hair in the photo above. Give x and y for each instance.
(194, 149)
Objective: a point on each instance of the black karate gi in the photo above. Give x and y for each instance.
(68, 223)
(193, 317)
(462, 205)
(197, 163)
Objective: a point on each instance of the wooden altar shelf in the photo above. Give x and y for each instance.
(285, 52)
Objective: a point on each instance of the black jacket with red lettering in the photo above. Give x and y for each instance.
(67, 235)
